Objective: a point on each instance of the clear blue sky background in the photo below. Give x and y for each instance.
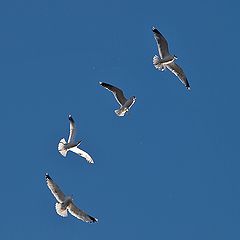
(169, 169)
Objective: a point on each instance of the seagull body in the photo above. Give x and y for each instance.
(125, 104)
(71, 145)
(166, 60)
(65, 203)
(161, 64)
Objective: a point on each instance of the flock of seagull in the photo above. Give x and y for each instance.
(65, 203)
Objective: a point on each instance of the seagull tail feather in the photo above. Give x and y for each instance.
(157, 63)
(61, 147)
(119, 112)
(61, 211)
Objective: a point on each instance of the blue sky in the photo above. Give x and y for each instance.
(170, 168)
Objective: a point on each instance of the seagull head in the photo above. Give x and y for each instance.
(69, 198)
(175, 57)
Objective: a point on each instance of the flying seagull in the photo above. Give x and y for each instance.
(167, 60)
(65, 203)
(71, 144)
(125, 104)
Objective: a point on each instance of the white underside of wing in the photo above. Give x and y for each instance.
(82, 154)
(76, 212)
(72, 132)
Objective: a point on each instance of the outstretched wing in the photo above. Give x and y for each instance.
(82, 154)
(177, 70)
(72, 132)
(161, 43)
(57, 193)
(117, 92)
(78, 213)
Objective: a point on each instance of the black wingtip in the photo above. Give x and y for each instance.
(47, 176)
(155, 30)
(188, 86)
(70, 118)
(93, 219)
(102, 84)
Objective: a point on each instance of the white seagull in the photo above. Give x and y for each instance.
(71, 145)
(167, 60)
(65, 203)
(125, 104)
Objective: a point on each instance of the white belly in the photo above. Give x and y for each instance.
(167, 60)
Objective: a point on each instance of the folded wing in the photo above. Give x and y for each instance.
(76, 212)
(56, 191)
(117, 92)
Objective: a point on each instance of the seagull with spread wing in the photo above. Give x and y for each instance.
(167, 60)
(71, 144)
(65, 203)
(125, 104)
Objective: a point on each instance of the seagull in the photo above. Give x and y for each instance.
(71, 145)
(65, 203)
(167, 60)
(125, 104)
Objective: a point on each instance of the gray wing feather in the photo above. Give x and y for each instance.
(78, 213)
(177, 70)
(117, 92)
(72, 132)
(56, 191)
(161, 43)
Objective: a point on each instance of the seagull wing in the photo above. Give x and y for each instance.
(117, 92)
(57, 193)
(161, 43)
(133, 101)
(82, 154)
(177, 70)
(78, 213)
(72, 132)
